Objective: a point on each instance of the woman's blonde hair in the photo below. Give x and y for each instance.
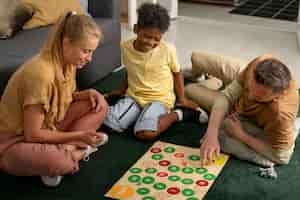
(77, 28)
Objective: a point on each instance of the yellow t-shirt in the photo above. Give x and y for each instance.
(34, 83)
(150, 74)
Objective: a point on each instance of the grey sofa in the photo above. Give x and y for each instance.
(26, 43)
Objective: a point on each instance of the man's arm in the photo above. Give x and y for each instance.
(227, 98)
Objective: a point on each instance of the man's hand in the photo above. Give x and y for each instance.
(233, 127)
(209, 148)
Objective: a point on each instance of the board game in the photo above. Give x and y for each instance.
(167, 172)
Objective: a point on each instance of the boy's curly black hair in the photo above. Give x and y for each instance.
(153, 15)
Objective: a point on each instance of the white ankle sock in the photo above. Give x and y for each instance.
(179, 114)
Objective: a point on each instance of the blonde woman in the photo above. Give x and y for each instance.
(46, 126)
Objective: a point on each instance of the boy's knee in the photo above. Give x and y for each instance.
(146, 135)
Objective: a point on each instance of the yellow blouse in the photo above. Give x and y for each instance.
(34, 83)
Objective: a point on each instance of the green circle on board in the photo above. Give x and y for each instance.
(173, 168)
(201, 170)
(188, 192)
(148, 198)
(209, 177)
(174, 178)
(193, 198)
(187, 181)
(135, 170)
(188, 170)
(134, 178)
(151, 170)
(160, 186)
(143, 191)
(148, 180)
(194, 157)
(169, 150)
(157, 156)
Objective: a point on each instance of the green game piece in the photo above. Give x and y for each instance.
(159, 186)
(173, 168)
(209, 177)
(148, 180)
(174, 178)
(188, 192)
(143, 191)
(201, 170)
(193, 198)
(188, 170)
(135, 170)
(134, 178)
(148, 198)
(151, 170)
(187, 181)
(194, 157)
(157, 157)
(169, 150)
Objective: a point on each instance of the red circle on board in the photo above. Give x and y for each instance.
(164, 163)
(179, 155)
(155, 150)
(202, 183)
(173, 190)
(162, 174)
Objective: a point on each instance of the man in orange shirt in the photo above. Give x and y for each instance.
(253, 117)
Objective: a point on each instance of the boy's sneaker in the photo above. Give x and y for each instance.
(51, 181)
(188, 114)
(89, 150)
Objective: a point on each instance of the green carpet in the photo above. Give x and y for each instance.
(238, 180)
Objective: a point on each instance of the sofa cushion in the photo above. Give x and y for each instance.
(109, 28)
(46, 12)
(13, 15)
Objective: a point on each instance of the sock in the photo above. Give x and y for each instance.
(203, 117)
(179, 114)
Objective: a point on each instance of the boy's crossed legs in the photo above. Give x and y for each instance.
(150, 121)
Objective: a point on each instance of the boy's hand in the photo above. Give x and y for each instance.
(188, 104)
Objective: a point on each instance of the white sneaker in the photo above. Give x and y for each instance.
(89, 150)
(51, 181)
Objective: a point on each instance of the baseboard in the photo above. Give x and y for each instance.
(298, 36)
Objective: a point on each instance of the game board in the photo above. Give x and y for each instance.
(167, 172)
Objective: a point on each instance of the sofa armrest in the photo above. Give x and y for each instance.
(105, 8)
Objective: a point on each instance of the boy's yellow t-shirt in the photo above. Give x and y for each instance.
(34, 83)
(150, 74)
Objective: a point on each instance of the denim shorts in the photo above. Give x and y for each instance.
(127, 112)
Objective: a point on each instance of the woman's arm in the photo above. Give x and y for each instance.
(34, 132)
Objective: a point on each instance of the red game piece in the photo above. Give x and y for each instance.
(179, 155)
(164, 163)
(155, 150)
(173, 190)
(202, 183)
(162, 174)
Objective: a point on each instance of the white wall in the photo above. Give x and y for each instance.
(298, 31)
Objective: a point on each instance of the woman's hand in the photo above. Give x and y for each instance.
(90, 137)
(97, 100)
